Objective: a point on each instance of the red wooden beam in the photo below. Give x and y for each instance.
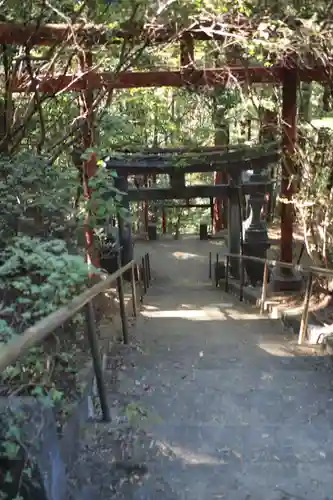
(50, 34)
(198, 150)
(92, 80)
(126, 80)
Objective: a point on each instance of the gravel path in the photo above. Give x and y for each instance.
(221, 403)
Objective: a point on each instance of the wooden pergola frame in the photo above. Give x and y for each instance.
(288, 75)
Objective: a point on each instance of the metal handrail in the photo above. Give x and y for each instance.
(309, 270)
(296, 267)
(34, 335)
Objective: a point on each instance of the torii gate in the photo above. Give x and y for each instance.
(287, 72)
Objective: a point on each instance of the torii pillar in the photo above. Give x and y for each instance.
(284, 279)
(90, 166)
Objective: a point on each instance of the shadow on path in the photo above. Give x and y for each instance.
(224, 403)
(234, 407)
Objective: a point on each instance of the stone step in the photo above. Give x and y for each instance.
(237, 444)
(188, 356)
(245, 397)
(193, 462)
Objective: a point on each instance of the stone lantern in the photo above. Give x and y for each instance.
(256, 241)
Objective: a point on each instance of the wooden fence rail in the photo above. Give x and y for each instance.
(308, 270)
(34, 335)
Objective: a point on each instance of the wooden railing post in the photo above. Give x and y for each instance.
(264, 289)
(133, 285)
(144, 276)
(226, 281)
(216, 271)
(305, 315)
(120, 287)
(147, 270)
(148, 267)
(97, 363)
(138, 272)
(241, 286)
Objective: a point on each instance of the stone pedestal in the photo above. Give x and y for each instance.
(203, 232)
(152, 231)
(256, 245)
(286, 280)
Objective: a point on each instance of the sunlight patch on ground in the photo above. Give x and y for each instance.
(277, 350)
(216, 307)
(240, 315)
(188, 456)
(186, 255)
(214, 312)
(227, 305)
(150, 308)
(206, 314)
(218, 243)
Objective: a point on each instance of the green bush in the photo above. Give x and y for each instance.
(36, 278)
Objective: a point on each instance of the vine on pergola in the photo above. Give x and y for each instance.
(244, 39)
(253, 48)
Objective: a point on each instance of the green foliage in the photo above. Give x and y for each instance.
(36, 278)
(34, 193)
(42, 208)
(138, 415)
(313, 200)
(18, 447)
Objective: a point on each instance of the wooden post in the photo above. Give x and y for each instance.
(226, 283)
(288, 279)
(90, 165)
(289, 139)
(164, 221)
(187, 52)
(148, 267)
(217, 211)
(121, 298)
(217, 270)
(133, 285)
(305, 315)
(139, 278)
(146, 207)
(242, 278)
(155, 210)
(147, 270)
(264, 289)
(96, 356)
(211, 203)
(144, 275)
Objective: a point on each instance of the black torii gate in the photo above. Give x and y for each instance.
(177, 165)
